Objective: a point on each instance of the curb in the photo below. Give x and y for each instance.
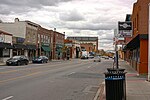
(100, 93)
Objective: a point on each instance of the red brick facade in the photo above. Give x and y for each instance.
(137, 53)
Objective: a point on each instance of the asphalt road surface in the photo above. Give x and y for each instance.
(57, 80)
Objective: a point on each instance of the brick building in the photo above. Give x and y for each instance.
(137, 47)
(73, 48)
(88, 43)
(58, 43)
(44, 42)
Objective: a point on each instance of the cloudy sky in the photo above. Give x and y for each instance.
(74, 17)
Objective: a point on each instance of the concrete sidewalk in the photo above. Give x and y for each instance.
(137, 88)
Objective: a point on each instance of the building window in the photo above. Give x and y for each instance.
(6, 52)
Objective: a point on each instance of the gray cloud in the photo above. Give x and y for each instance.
(22, 6)
(91, 26)
(73, 15)
(32, 3)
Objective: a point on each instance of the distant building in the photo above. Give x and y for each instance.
(88, 43)
(73, 47)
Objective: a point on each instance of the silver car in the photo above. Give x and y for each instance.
(97, 59)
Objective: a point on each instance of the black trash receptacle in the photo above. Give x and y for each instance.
(115, 85)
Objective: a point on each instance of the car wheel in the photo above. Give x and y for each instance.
(26, 63)
(18, 63)
(42, 61)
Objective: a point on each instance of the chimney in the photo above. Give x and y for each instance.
(54, 29)
(16, 19)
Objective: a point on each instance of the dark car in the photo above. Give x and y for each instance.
(18, 60)
(40, 59)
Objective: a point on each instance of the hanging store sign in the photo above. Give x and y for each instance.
(125, 29)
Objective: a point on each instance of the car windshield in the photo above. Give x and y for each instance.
(16, 57)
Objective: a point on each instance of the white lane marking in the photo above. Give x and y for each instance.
(71, 73)
(89, 66)
(8, 98)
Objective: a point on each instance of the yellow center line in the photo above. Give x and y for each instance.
(35, 73)
(5, 72)
(11, 79)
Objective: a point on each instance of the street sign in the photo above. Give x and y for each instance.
(125, 29)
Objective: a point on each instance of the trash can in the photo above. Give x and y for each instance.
(115, 84)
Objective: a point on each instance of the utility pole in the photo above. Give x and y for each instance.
(116, 49)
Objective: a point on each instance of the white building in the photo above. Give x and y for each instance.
(24, 36)
(5, 46)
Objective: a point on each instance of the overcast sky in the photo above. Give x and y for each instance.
(74, 17)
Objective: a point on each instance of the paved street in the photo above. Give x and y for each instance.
(57, 80)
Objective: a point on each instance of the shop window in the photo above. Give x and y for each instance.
(6, 53)
(1, 52)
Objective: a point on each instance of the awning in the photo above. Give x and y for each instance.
(46, 48)
(19, 46)
(6, 45)
(31, 47)
(59, 45)
(135, 42)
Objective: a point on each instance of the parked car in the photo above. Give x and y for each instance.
(84, 57)
(105, 57)
(97, 59)
(40, 59)
(90, 56)
(18, 60)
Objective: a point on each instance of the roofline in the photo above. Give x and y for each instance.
(6, 33)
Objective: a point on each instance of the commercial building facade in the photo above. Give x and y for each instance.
(24, 37)
(44, 42)
(73, 48)
(88, 43)
(136, 49)
(58, 43)
(5, 46)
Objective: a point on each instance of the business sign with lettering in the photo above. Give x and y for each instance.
(125, 29)
(2, 38)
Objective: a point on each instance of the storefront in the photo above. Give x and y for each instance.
(31, 51)
(136, 53)
(58, 53)
(19, 49)
(46, 51)
(5, 51)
